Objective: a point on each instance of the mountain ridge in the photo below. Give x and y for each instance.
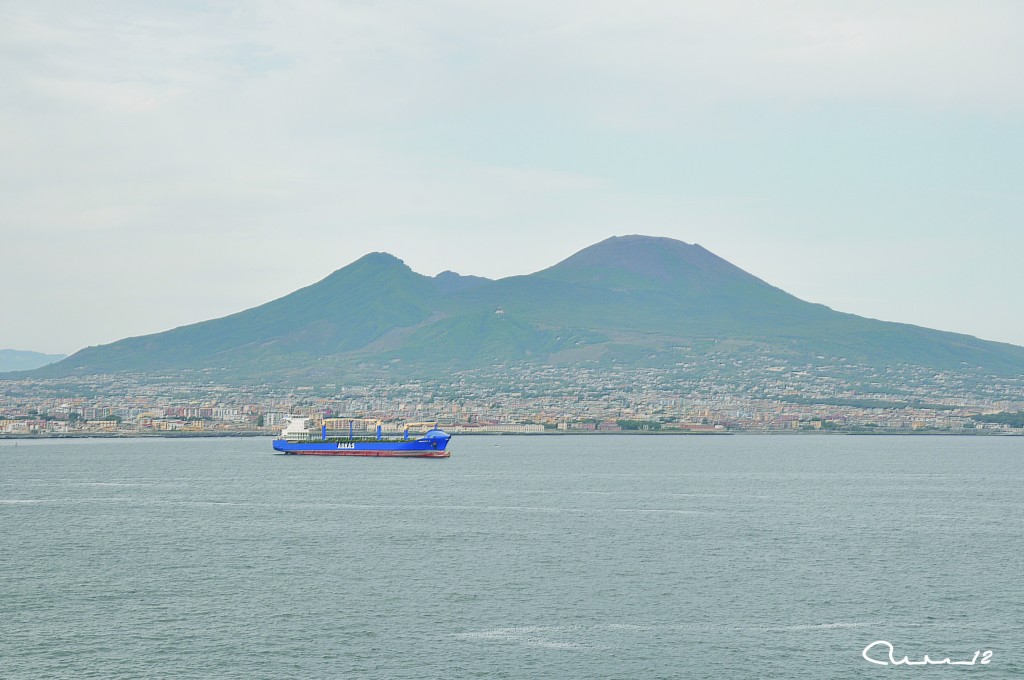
(630, 300)
(25, 360)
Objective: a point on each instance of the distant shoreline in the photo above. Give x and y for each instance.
(251, 434)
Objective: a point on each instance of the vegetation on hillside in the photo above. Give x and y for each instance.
(631, 301)
(1011, 419)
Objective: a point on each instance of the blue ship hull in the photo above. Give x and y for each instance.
(433, 445)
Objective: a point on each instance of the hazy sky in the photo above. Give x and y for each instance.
(167, 162)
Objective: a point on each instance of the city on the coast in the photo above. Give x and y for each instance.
(634, 333)
(531, 399)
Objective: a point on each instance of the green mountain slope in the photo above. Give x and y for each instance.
(633, 300)
(343, 312)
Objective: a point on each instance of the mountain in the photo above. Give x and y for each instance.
(450, 282)
(631, 301)
(21, 360)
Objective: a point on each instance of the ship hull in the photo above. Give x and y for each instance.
(404, 449)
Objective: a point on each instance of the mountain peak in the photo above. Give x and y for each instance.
(635, 298)
(371, 266)
(645, 262)
(379, 259)
(452, 282)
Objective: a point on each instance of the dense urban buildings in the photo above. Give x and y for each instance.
(742, 395)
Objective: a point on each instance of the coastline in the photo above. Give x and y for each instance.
(254, 434)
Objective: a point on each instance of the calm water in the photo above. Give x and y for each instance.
(560, 557)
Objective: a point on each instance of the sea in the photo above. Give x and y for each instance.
(518, 557)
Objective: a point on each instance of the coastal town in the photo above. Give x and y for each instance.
(532, 399)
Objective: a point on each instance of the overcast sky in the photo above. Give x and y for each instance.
(167, 162)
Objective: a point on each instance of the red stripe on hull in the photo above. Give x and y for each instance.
(373, 454)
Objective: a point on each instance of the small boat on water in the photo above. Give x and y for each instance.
(297, 438)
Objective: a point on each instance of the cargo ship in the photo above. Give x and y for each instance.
(298, 439)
